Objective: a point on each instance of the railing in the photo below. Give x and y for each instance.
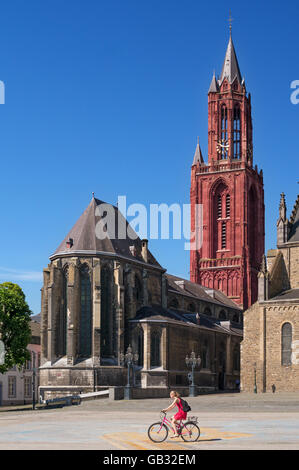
(215, 263)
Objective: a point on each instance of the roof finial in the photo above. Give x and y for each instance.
(92, 195)
(230, 20)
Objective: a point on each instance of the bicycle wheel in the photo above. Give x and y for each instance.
(190, 432)
(157, 432)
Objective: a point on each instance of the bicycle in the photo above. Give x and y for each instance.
(189, 431)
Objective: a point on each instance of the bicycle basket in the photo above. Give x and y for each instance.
(193, 418)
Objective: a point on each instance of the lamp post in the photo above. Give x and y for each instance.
(255, 387)
(192, 361)
(129, 358)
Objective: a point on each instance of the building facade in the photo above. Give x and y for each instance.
(229, 229)
(270, 349)
(101, 295)
(16, 386)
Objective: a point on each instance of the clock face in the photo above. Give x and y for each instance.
(222, 146)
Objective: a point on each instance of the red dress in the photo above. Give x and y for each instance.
(180, 414)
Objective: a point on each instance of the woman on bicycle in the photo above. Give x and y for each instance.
(180, 415)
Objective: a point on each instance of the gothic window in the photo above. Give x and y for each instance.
(63, 318)
(219, 206)
(155, 349)
(138, 291)
(237, 133)
(223, 235)
(138, 339)
(286, 344)
(223, 132)
(86, 312)
(227, 205)
(106, 313)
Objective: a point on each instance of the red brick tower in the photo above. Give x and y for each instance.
(230, 191)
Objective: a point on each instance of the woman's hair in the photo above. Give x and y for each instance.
(176, 394)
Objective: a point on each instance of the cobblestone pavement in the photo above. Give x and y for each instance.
(227, 421)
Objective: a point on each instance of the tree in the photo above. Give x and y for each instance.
(15, 329)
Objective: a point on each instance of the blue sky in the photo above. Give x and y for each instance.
(110, 96)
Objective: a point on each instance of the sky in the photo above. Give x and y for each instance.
(109, 96)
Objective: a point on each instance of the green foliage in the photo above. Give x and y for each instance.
(15, 329)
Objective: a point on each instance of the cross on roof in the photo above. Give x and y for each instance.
(230, 20)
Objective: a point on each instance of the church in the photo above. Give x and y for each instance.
(270, 349)
(101, 296)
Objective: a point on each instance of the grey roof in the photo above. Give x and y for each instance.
(291, 294)
(84, 235)
(198, 158)
(294, 222)
(230, 68)
(158, 313)
(214, 85)
(199, 292)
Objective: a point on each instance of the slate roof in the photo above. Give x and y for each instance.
(158, 313)
(230, 69)
(197, 291)
(291, 294)
(84, 238)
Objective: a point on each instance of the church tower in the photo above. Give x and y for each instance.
(228, 189)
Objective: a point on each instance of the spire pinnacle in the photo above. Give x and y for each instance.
(198, 158)
(230, 20)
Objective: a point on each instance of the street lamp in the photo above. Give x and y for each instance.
(192, 361)
(129, 358)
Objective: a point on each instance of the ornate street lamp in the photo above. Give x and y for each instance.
(192, 362)
(129, 358)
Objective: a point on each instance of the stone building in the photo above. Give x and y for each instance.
(16, 385)
(270, 349)
(102, 294)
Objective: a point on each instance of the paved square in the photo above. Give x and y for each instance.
(227, 421)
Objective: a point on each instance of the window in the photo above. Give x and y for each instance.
(207, 311)
(12, 387)
(27, 387)
(191, 307)
(155, 349)
(237, 133)
(227, 205)
(205, 356)
(223, 235)
(219, 206)
(223, 132)
(86, 312)
(286, 344)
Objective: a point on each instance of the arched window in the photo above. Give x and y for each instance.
(222, 315)
(286, 344)
(219, 206)
(138, 291)
(138, 340)
(155, 349)
(223, 132)
(62, 336)
(86, 313)
(227, 205)
(237, 133)
(207, 311)
(223, 235)
(106, 313)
